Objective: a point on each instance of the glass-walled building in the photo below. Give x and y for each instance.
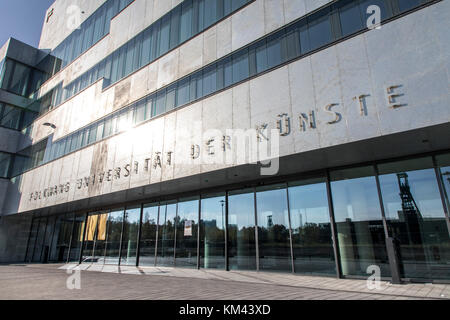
(284, 227)
(305, 137)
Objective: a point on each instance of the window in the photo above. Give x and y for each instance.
(209, 80)
(5, 162)
(171, 96)
(186, 233)
(160, 105)
(357, 211)
(311, 228)
(113, 237)
(240, 66)
(166, 234)
(319, 28)
(241, 230)
(405, 5)
(350, 17)
(175, 27)
(186, 21)
(164, 35)
(273, 228)
(148, 237)
(212, 232)
(183, 92)
(130, 235)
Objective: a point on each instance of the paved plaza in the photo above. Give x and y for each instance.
(49, 282)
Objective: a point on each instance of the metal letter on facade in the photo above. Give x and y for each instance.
(336, 115)
(284, 124)
(392, 97)
(260, 132)
(362, 101)
(195, 151)
(226, 143)
(127, 170)
(169, 158)
(310, 120)
(210, 147)
(157, 160)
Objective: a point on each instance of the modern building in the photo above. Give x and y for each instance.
(305, 136)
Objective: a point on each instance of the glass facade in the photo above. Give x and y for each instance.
(317, 31)
(415, 217)
(359, 222)
(285, 227)
(212, 231)
(241, 230)
(311, 228)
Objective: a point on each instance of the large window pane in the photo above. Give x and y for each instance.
(5, 162)
(241, 230)
(273, 229)
(416, 218)
(443, 162)
(148, 237)
(319, 29)
(187, 228)
(212, 233)
(130, 236)
(114, 233)
(359, 224)
(10, 117)
(404, 5)
(100, 239)
(77, 237)
(166, 234)
(38, 246)
(61, 238)
(89, 238)
(349, 16)
(311, 228)
(186, 20)
(240, 66)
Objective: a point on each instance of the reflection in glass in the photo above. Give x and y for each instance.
(166, 234)
(273, 229)
(130, 236)
(241, 230)
(187, 228)
(100, 239)
(39, 240)
(45, 256)
(311, 228)
(32, 239)
(61, 238)
(148, 237)
(113, 236)
(359, 224)
(77, 237)
(212, 232)
(415, 218)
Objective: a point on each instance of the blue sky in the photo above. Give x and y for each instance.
(22, 20)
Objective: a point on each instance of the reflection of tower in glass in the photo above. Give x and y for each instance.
(411, 216)
(269, 221)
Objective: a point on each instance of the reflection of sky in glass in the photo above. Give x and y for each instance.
(133, 215)
(356, 199)
(424, 189)
(150, 214)
(308, 204)
(241, 210)
(188, 210)
(212, 210)
(446, 177)
(272, 205)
